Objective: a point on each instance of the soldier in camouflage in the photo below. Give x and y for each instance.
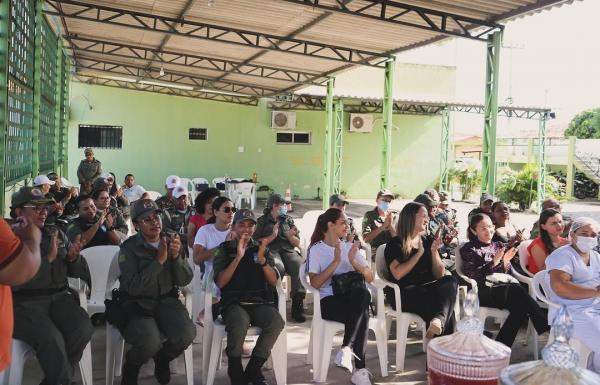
(283, 239)
(152, 270)
(89, 169)
(166, 202)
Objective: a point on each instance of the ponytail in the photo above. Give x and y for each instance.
(331, 215)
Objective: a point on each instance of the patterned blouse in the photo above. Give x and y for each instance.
(477, 260)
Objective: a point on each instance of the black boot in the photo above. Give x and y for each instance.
(253, 371)
(298, 308)
(235, 371)
(162, 371)
(129, 374)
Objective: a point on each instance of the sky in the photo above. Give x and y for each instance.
(549, 59)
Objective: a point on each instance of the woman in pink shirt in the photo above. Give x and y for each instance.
(203, 208)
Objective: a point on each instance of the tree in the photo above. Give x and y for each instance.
(585, 125)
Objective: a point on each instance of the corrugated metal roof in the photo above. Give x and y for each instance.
(328, 37)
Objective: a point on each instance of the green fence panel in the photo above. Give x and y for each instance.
(48, 126)
(64, 108)
(20, 84)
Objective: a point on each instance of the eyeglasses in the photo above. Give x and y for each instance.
(150, 219)
(228, 210)
(37, 209)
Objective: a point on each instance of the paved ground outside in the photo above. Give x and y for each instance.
(298, 334)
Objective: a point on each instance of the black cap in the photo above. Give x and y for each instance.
(142, 208)
(337, 199)
(243, 214)
(426, 200)
(29, 194)
(275, 199)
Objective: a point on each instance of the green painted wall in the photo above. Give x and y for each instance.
(155, 144)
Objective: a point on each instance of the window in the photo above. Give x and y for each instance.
(100, 136)
(198, 133)
(293, 138)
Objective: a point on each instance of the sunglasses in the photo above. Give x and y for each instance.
(151, 219)
(228, 210)
(37, 208)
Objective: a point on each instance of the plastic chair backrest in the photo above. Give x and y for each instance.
(154, 195)
(305, 281)
(245, 189)
(200, 184)
(380, 266)
(100, 260)
(541, 288)
(524, 255)
(65, 182)
(219, 183)
(187, 183)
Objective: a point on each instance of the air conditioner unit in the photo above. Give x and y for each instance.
(361, 123)
(283, 120)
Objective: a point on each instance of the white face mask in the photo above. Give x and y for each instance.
(585, 244)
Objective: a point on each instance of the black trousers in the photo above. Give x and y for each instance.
(353, 311)
(435, 299)
(521, 306)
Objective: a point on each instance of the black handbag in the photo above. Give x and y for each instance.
(342, 284)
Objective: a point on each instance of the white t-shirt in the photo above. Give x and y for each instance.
(566, 259)
(209, 237)
(320, 256)
(134, 192)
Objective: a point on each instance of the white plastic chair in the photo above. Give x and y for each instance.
(220, 183)
(322, 332)
(65, 182)
(21, 352)
(115, 342)
(189, 185)
(244, 191)
(99, 260)
(195, 182)
(215, 334)
(527, 280)
(403, 319)
(154, 195)
(541, 286)
(499, 315)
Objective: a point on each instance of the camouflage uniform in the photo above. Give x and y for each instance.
(286, 258)
(48, 317)
(88, 170)
(177, 222)
(371, 221)
(151, 302)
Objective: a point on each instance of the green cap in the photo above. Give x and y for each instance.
(142, 208)
(29, 194)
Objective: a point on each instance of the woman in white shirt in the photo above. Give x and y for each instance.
(209, 238)
(574, 275)
(328, 256)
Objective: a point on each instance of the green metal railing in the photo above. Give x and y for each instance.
(34, 84)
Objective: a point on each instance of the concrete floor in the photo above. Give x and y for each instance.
(298, 334)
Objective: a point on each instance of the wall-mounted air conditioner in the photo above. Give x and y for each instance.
(361, 123)
(283, 120)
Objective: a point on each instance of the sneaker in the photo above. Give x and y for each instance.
(343, 358)
(361, 377)
(434, 329)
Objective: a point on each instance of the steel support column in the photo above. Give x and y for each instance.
(541, 186)
(488, 168)
(388, 107)
(338, 144)
(4, 30)
(328, 140)
(37, 90)
(445, 147)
